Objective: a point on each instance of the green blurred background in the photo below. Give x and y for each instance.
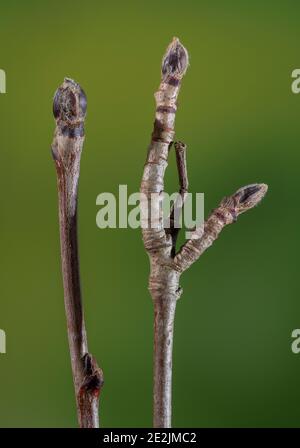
(233, 364)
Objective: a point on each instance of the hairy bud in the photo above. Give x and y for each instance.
(69, 108)
(175, 61)
(245, 198)
(249, 196)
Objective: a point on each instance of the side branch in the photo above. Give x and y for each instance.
(226, 213)
(174, 228)
(180, 150)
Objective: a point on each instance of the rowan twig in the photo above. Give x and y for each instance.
(165, 265)
(69, 109)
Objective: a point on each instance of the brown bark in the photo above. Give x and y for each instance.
(69, 111)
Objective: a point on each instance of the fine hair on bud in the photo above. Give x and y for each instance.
(175, 61)
(249, 196)
(69, 104)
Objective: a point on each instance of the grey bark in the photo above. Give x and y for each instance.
(166, 265)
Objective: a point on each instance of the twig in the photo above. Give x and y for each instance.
(165, 265)
(69, 109)
(226, 213)
(173, 229)
(164, 280)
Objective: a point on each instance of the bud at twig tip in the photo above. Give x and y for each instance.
(249, 196)
(69, 104)
(245, 198)
(180, 146)
(175, 61)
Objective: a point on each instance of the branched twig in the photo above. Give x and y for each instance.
(69, 110)
(166, 265)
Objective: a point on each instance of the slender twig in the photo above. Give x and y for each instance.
(69, 110)
(173, 229)
(160, 242)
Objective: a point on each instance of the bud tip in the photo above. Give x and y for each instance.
(69, 104)
(249, 196)
(175, 61)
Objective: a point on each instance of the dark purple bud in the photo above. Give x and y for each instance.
(249, 191)
(175, 61)
(69, 104)
(249, 196)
